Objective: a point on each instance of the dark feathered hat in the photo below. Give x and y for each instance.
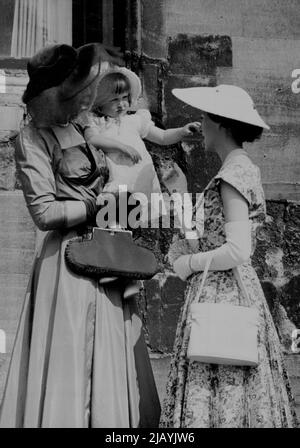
(54, 64)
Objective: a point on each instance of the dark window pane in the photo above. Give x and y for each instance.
(87, 21)
(6, 26)
(120, 20)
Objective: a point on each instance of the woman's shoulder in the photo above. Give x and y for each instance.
(28, 131)
(38, 146)
(89, 120)
(140, 116)
(244, 175)
(32, 138)
(31, 132)
(240, 167)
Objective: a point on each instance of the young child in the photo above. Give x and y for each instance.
(120, 135)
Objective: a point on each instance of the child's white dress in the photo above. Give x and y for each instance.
(123, 173)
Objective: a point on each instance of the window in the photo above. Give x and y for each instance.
(32, 24)
(100, 21)
(27, 25)
(6, 26)
(87, 22)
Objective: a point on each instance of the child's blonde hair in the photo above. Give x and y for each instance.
(111, 84)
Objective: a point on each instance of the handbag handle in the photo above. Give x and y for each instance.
(205, 272)
(237, 275)
(241, 284)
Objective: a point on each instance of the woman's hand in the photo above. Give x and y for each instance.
(182, 267)
(178, 248)
(191, 128)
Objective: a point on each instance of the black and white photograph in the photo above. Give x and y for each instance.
(150, 217)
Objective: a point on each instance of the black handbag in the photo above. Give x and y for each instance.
(110, 252)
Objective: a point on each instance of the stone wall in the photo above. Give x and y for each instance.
(205, 43)
(254, 45)
(17, 232)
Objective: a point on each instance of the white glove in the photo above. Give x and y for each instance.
(235, 251)
(182, 266)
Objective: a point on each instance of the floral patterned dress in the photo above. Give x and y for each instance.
(221, 396)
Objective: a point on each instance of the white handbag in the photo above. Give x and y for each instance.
(222, 333)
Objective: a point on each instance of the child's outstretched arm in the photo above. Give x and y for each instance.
(171, 136)
(109, 145)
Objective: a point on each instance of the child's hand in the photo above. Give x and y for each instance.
(191, 128)
(132, 153)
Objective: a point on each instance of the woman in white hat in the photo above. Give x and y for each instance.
(228, 215)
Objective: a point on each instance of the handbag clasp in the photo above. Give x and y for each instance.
(111, 231)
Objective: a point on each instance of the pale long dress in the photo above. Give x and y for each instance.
(79, 358)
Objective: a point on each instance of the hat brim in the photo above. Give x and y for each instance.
(61, 61)
(96, 53)
(205, 99)
(135, 83)
(133, 79)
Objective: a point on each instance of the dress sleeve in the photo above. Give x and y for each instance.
(91, 132)
(94, 127)
(34, 167)
(244, 176)
(145, 122)
(87, 121)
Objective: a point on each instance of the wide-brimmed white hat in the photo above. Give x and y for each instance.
(224, 100)
(134, 81)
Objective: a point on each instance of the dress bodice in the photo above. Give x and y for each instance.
(56, 164)
(240, 172)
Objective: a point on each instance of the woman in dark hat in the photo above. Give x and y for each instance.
(79, 358)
